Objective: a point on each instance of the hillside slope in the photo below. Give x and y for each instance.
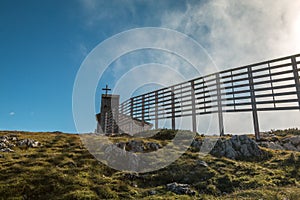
(62, 168)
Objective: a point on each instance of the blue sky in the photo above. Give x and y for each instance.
(42, 46)
(43, 43)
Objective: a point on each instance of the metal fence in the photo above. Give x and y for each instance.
(265, 86)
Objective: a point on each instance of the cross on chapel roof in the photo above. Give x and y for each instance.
(106, 89)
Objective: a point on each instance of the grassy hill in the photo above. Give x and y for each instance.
(62, 168)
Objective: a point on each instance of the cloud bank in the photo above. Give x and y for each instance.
(243, 32)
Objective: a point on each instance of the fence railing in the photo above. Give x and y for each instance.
(265, 86)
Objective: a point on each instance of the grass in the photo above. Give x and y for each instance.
(62, 168)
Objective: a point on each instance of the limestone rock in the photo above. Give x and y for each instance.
(152, 192)
(294, 140)
(6, 150)
(289, 146)
(12, 137)
(4, 142)
(2, 145)
(180, 188)
(291, 143)
(7, 142)
(201, 163)
(237, 147)
(153, 146)
(28, 143)
(3, 138)
(138, 146)
(271, 145)
(10, 145)
(197, 143)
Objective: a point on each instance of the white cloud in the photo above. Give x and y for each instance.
(12, 113)
(241, 32)
(237, 33)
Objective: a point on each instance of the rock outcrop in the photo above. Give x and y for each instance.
(238, 147)
(291, 143)
(8, 142)
(28, 143)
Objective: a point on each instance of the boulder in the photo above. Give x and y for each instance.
(10, 145)
(22, 143)
(3, 137)
(35, 144)
(197, 143)
(135, 146)
(153, 146)
(12, 137)
(152, 192)
(201, 163)
(4, 140)
(2, 145)
(180, 188)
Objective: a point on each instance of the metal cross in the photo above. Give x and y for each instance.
(106, 89)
